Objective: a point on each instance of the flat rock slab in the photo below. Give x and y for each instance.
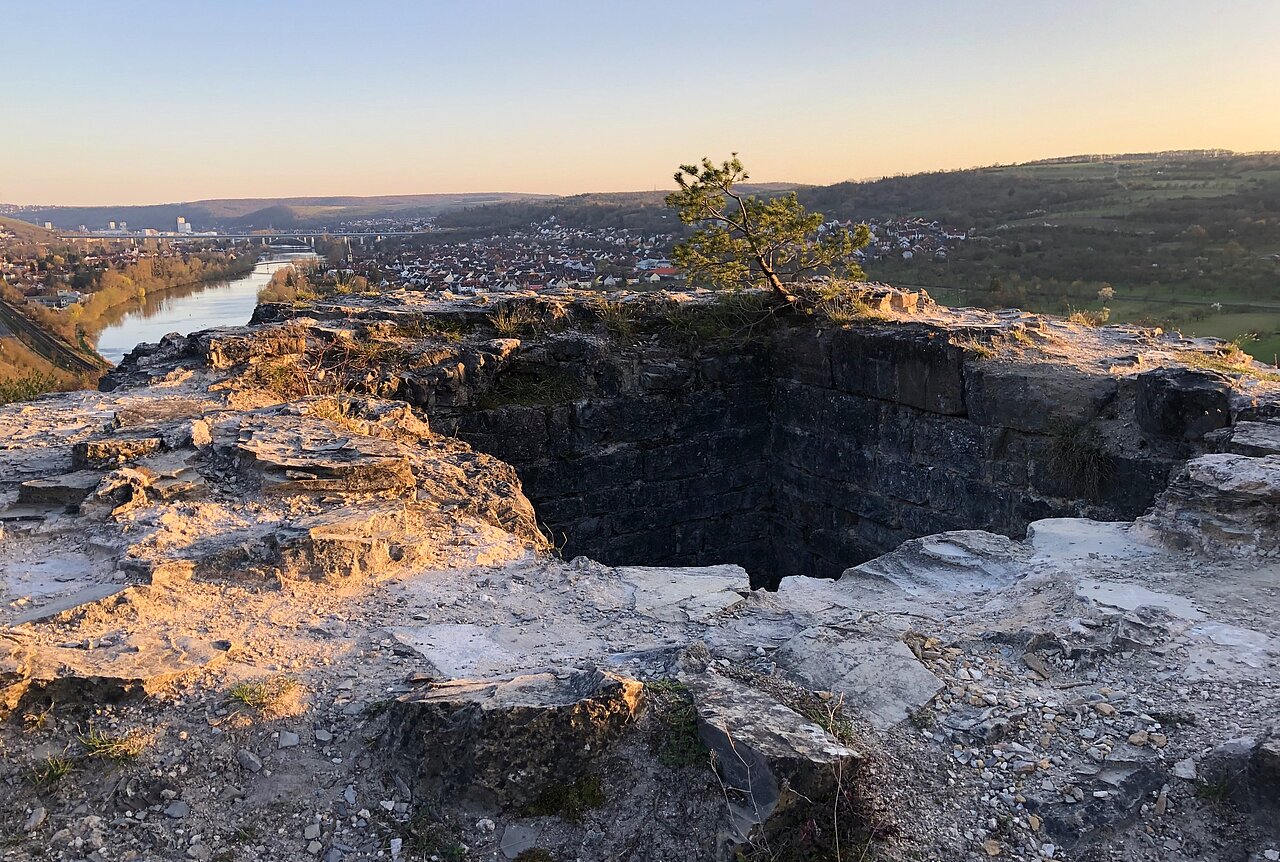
(68, 489)
(137, 667)
(1255, 438)
(688, 594)
(458, 650)
(1130, 597)
(43, 610)
(960, 562)
(297, 454)
(878, 676)
(1062, 539)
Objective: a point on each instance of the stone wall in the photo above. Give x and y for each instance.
(813, 451)
(665, 463)
(882, 434)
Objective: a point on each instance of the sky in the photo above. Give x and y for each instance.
(134, 102)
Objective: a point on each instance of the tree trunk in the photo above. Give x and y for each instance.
(779, 289)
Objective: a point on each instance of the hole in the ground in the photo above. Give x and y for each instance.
(802, 455)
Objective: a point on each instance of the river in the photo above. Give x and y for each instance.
(214, 303)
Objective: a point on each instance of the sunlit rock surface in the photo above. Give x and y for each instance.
(247, 624)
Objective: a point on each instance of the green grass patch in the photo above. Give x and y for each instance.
(678, 744)
(268, 695)
(51, 770)
(113, 746)
(569, 802)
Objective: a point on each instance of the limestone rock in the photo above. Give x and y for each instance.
(686, 594)
(1220, 502)
(299, 455)
(33, 674)
(1182, 402)
(877, 674)
(68, 489)
(112, 451)
(778, 767)
(507, 741)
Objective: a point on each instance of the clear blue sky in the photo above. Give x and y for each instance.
(136, 102)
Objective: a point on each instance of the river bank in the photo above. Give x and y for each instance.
(225, 302)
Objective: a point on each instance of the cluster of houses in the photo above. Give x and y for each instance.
(546, 255)
(53, 279)
(910, 238)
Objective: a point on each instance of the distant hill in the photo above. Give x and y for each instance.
(23, 232)
(260, 213)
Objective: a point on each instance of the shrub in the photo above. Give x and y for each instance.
(1085, 317)
(26, 387)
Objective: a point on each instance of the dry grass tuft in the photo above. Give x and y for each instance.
(113, 746)
(271, 697)
(1229, 359)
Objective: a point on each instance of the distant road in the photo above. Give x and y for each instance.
(51, 348)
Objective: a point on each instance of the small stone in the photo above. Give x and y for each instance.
(486, 825)
(288, 739)
(312, 831)
(1047, 850)
(177, 809)
(397, 845)
(350, 794)
(516, 839)
(1104, 709)
(1185, 769)
(199, 852)
(248, 760)
(36, 819)
(323, 735)
(1034, 822)
(333, 855)
(387, 804)
(1159, 740)
(1271, 855)
(992, 847)
(314, 847)
(1139, 738)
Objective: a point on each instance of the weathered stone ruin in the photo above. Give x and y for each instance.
(529, 578)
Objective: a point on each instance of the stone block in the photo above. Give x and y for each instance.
(1182, 402)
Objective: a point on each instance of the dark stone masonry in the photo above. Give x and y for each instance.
(814, 450)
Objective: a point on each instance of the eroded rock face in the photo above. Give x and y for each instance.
(507, 742)
(1222, 503)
